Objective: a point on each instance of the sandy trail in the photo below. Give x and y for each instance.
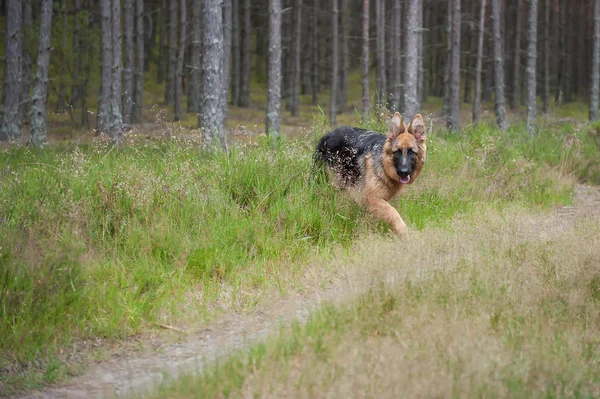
(140, 372)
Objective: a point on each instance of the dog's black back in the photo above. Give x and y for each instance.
(343, 149)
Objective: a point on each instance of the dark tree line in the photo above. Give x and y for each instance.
(505, 52)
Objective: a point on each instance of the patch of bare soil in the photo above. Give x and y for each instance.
(140, 371)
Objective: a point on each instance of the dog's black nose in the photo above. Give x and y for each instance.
(403, 171)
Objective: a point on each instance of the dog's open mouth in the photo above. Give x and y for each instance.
(405, 179)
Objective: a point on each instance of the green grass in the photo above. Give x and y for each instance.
(103, 243)
(497, 315)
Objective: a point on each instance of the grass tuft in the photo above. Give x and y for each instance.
(101, 243)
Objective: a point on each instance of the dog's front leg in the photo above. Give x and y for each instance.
(380, 208)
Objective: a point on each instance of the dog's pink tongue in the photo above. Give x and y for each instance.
(404, 180)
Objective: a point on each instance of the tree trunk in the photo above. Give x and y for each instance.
(172, 54)
(210, 117)
(516, 86)
(297, 43)
(546, 99)
(498, 66)
(397, 73)
(477, 100)
(180, 59)
(446, 75)
(454, 97)
(140, 62)
(128, 83)
(380, 50)
(26, 67)
(196, 60)
(150, 25)
(274, 93)
(316, 82)
(343, 97)
(39, 129)
(595, 91)
(245, 53)
(62, 85)
(334, 61)
(116, 129)
(411, 59)
(104, 103)
(161, 43)
(287, 32)
(77, 55)
(389, 49)
(562, 54)
(306, 51)
(10, 125)
(470, 30)
(86, 68)
(235, 44)
(366, 105)
(488, 81)
(226, 55)
(531, 64)
(421, 56)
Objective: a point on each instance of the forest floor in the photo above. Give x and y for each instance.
(375, 260)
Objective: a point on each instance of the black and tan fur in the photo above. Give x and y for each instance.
(373, 167)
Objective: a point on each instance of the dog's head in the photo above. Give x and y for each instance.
(405, 149)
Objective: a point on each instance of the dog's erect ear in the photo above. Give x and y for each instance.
(417, 128)
(396, 126)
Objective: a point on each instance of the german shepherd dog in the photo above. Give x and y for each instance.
(373, 168)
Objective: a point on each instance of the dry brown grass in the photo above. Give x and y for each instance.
(498, 305)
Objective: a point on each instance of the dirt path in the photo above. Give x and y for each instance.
(140, 372)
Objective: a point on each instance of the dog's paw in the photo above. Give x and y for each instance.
(402, 233)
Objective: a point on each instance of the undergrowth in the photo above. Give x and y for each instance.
(100, 243)
(495, 315)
